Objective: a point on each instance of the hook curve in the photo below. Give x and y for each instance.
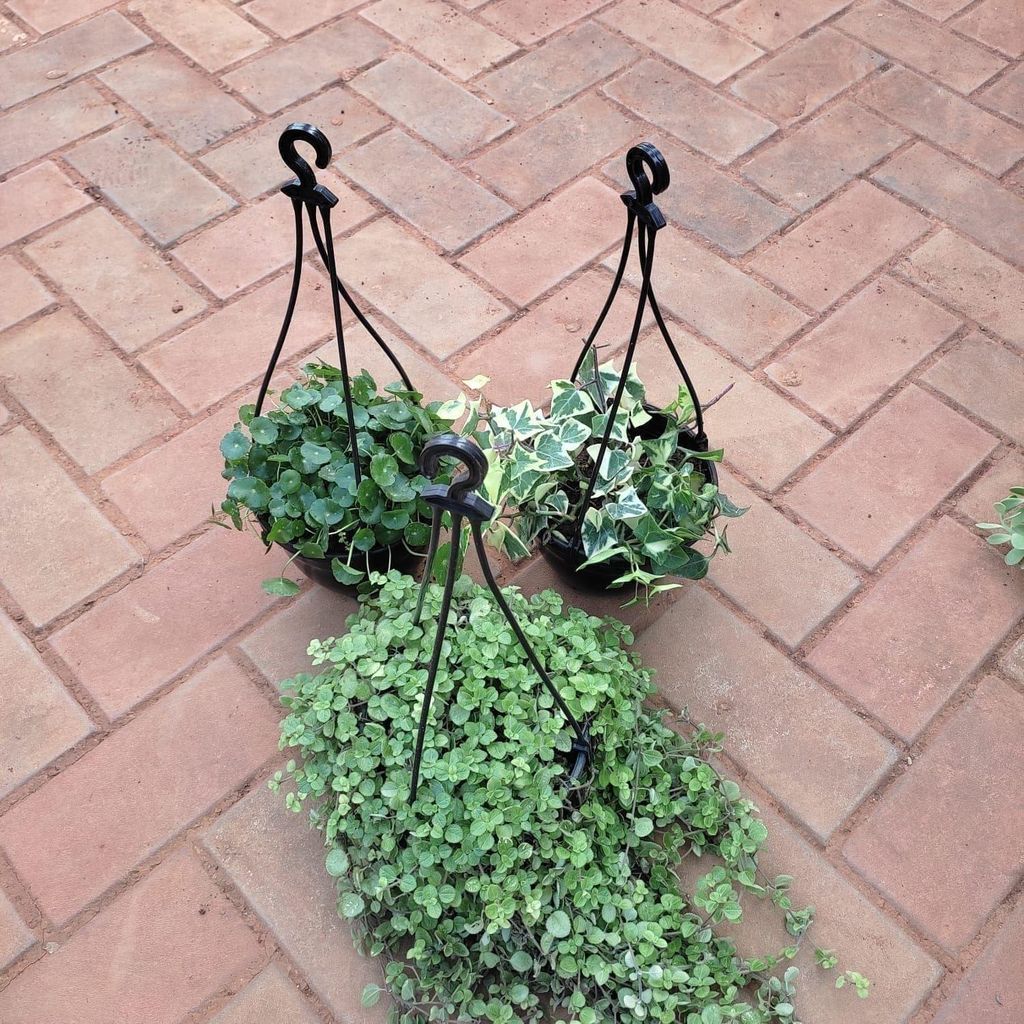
(299, 131)
(639, 159)
(464, 451)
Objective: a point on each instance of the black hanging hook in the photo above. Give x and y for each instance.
(639, 159)
(305, 186)
(461, 500)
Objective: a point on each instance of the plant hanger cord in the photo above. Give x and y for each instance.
(318, 202)
(647, 219)
(460, 498)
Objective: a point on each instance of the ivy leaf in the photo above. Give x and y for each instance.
(551, 453)
(598, 531)
(627, 505)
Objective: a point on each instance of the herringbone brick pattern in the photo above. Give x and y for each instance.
(846, 249)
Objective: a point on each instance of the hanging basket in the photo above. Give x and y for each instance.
(312, 203)
(562, 546)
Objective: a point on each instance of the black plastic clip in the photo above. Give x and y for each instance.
(304, 186)
(641, 199)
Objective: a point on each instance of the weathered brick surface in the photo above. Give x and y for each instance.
(170, 618)
(892, 472)
(38, 719)
(963, 787)
(843, 241)
(901, 652)
(116, 279)
(124, 799)
(151, 957)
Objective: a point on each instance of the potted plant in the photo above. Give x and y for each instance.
(653, 501)
(293, 477)
(500, 893)
(1010, 528)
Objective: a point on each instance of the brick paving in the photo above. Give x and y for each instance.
(845, 248)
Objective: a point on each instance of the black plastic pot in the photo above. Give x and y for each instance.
(394, 556)
(566, 556)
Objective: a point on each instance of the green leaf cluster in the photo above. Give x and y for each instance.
(654, 501)
(1010, 528)
(293, 476)
(502, 894)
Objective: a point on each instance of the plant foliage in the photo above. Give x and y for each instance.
(293, 477)
(1010, 528)
(653, 500)
(501, 895)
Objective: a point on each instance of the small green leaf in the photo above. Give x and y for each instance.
(521, 961)
(559, 925)
(281, 586)
(234, 445)
(371, 995)
(263, 430)
(337, 862)
(351, 905)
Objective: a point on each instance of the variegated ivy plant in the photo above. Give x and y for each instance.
(653, 501)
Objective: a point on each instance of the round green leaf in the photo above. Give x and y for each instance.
(281, 586)
(521, 961)
(234, 445)
(337, 862)
(249, 491)
(289, 481)
(559, 925)
(351, 905)
(263, 430)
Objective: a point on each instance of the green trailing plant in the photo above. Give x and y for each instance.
(293, 477)
(500, 894)
(1010, 528)
(653, 502)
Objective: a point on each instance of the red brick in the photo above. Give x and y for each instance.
(122, 801)
(290, 72)
(180, 102)
(210, 33)
(15, 936)
(902, 651)
(775, 572)
(993, 989)
(1006, 95)
(701, 118)
(57, 548)
(277, 647)
(939, 10)
(76, 51)
(260, 239)
(38, 720)
(985, 378)
(730, 307)
(10, 34)
(117, 280)
(996, 23)
(437, 305)
(710, 202)
(1006, 471)
(151, 957)
(958, 195)
(277, 862)
(839, 245)
(800, 79)
(971, 281)
(763, 435)
(22, 293)
(891, 473)
(169, 618)
(695, 43)
(452, 40)
(730, 678)
(964, 789)
(249, 162)
(770, 24)
(555, 238)
(204, 363)
(823, 155)
(52, 121)
(445, 114)
(528, 21)
(270, 998)
(845, 920)
(46, 15)
(34, 199)
(99, 411)
(556, 71)
(288, 19)
(922, 44)
(551, 152)
(546, 341)
(425, 190)
(146, 179)
(876, 339)
(172, 489)
(946, 119)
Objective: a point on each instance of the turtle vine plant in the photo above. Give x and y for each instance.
(500, 893)
(1010, 528)
(654, 497)
(293, 477)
